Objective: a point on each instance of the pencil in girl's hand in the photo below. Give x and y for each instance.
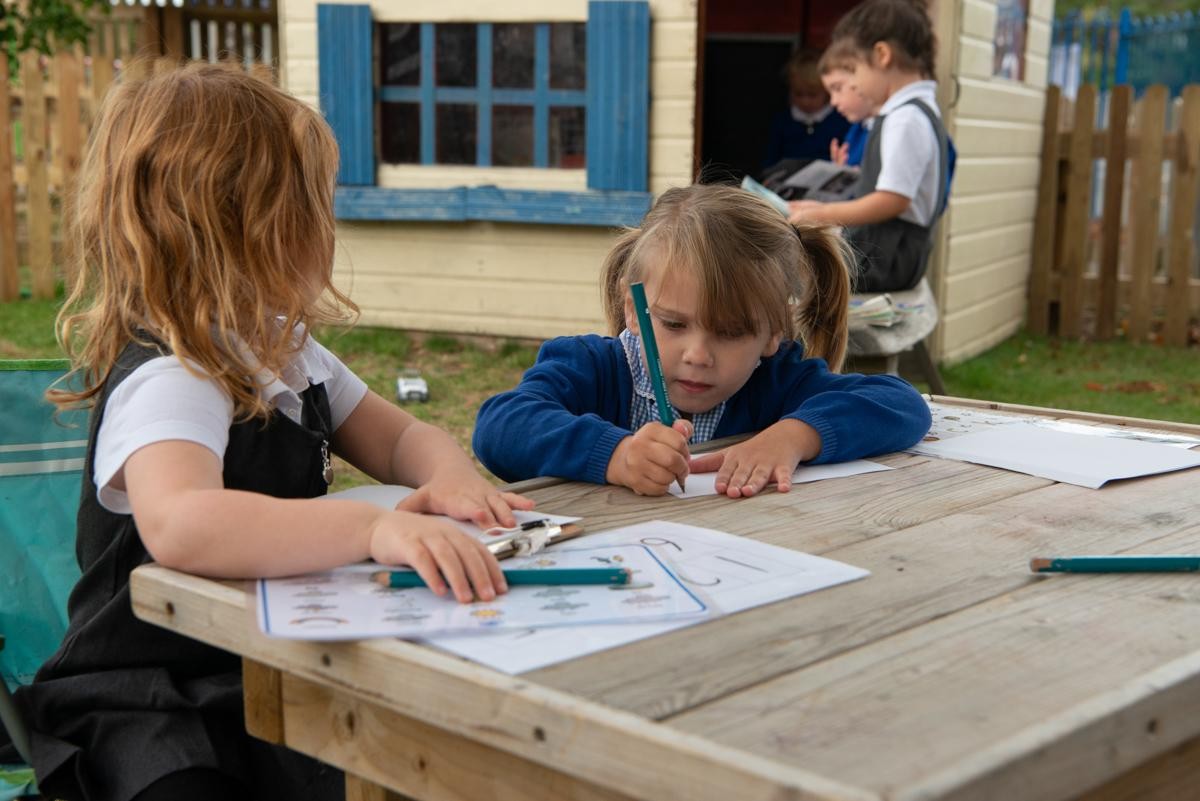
(399, 579)
(653, 362)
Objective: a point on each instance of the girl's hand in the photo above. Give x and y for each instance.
(839, 152)
(769, 456)
(466, 495)
(652, 458)
(439, 552)
(801, 209)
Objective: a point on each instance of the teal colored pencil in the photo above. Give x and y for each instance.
(640, 305)
(516, 577)
(1122, 563)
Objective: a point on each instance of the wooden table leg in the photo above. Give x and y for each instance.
(358, 789)
(263, 700)
(1170, 777)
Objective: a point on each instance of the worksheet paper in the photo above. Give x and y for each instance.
(730, 573)
(701, 484)
(387, 496)
(953, 421)
(345, 603)
(1071, 458)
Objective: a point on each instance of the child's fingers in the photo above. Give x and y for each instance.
(475, 567)
(783, 478)
(756, 481)
(427, 568)
(417, 502)
(493, 567)
(516, 501)
(707, 462)
(449, 562)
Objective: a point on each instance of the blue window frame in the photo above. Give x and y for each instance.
(506, 103)
(615, 101)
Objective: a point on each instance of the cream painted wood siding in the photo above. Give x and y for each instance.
(997, 128)
(519, 280)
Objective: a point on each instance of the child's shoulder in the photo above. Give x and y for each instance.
(580, 346)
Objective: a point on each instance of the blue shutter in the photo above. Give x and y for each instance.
(344, 54)
(618, 93)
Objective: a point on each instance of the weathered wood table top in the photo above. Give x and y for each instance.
(952, 672)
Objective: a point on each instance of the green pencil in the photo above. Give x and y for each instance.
(640, 305)
(1121, 563)
(516, 577)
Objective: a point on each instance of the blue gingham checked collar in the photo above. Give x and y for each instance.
(645, 410)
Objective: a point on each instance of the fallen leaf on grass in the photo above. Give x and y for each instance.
(1141, 386)
(1095, 386)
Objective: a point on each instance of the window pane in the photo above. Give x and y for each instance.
(512, 56)
(400, 133)
(456, 133)
(400, 56)
(567, 138)
(455, 55)
(568, 55)
(512, 136)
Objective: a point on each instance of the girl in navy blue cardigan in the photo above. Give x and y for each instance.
(750, 314)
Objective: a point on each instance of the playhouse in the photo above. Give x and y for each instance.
(489, 149)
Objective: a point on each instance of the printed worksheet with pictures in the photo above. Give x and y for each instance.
(732, 573)
(348, 603)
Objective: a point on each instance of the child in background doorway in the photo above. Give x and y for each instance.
(806, 128)
(750, 319)
(902, 187)
(205, 234)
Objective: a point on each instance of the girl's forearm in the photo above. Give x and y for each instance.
(875, 207)
(227, 533)
(438, 452)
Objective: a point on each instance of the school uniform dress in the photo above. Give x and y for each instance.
(587, 393)
(907, 153)
(124, 703)
(797, 135)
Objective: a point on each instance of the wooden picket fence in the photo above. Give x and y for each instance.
(45, 116)
(1132, 267)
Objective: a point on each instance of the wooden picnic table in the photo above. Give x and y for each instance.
(952, 672)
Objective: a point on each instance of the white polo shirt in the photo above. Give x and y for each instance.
(909, 153)
(161, 400)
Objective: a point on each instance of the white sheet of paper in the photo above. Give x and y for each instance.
(701, 484)
(730, 573)
(387, 496)
(345, 603)
(1071, 458)
(954, 421)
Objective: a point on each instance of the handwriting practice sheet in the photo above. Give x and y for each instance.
(730, 573)
(346, 603)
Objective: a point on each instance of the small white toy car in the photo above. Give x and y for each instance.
(411, 387)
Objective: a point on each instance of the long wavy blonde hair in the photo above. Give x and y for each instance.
(204, 217)
(752, 266)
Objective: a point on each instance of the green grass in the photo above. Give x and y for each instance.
(1114, 378)
(1119, 377)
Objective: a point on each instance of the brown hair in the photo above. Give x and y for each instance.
(753, 267)
(840, 55)
(903, 24)
(204, 216)
(802, 66)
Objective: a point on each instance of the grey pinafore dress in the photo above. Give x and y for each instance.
(892, 255)
(123, 703)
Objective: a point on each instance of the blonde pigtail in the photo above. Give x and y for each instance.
(822, 315)
(613, 278)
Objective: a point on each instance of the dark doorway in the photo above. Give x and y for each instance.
(742, 84)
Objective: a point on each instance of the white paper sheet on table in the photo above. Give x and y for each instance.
(731, 574)
(387, 496)
(1071, 458)
(701, 484)
(344, 603)
(953, 421)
